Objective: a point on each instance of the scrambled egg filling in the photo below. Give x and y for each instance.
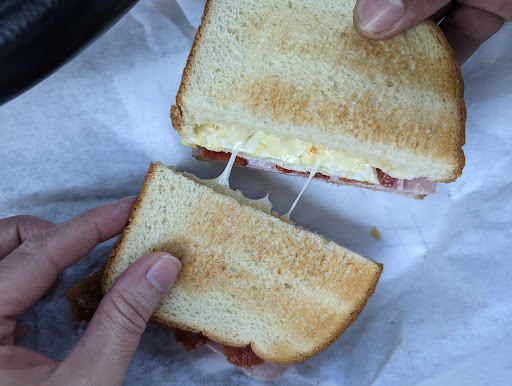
(287, 153)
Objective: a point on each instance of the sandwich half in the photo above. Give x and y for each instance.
(248, 277)
(293, 88)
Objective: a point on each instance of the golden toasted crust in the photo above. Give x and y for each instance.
(109, 271)
(247, 277)
(460, 115)
(176, 113)
(397, 105)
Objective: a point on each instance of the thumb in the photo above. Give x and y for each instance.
(111, 339)
(383, 19)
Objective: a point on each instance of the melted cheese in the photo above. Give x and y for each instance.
(288, 153)
(313, 171)
(223, 179)
(221, 185)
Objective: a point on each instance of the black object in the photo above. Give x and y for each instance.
(39, 36)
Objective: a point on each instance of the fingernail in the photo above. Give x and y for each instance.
(164, 272)
(122, 199)
(377, 16)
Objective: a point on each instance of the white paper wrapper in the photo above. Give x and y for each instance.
(441, 313)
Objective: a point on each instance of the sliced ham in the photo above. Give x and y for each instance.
(418, 187)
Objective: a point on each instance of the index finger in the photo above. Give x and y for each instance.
(30, 270)
(15, 230)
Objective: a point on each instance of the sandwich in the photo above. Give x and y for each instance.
(293, 88)
(259, 289)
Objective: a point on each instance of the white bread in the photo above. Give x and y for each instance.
(247, 277)
(299, 69)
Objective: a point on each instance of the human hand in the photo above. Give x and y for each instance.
(466, 24)
(32, 253)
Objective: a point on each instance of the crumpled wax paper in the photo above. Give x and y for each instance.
(441, 313)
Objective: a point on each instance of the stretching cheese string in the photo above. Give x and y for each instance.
(223, 181)
(221, 184)
(312, 173)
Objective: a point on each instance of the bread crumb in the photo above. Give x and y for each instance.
(375, 233)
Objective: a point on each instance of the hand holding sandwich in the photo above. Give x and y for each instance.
(467, 23)
(32, 253)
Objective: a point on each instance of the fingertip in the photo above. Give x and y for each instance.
(126, 200)
(164, 272)
(375, 19)
(125, 203)
(366, 35)
(118, 211)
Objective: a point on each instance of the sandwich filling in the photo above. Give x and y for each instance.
(287, 153)
(221, 185)
(266, 152)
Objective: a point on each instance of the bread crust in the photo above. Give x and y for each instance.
(176, 110)
(432, 140)
(324, 262)
(109, 270)
(458, 81)
(171, 325)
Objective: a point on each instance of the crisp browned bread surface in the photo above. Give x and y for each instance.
(248, 277)
(300, 70)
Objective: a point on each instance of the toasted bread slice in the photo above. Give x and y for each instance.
(248, 277)
(299, 70)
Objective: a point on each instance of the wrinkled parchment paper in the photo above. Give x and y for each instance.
(441, 313)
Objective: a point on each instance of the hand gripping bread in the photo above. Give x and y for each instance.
(247, 277)
(299, 70)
